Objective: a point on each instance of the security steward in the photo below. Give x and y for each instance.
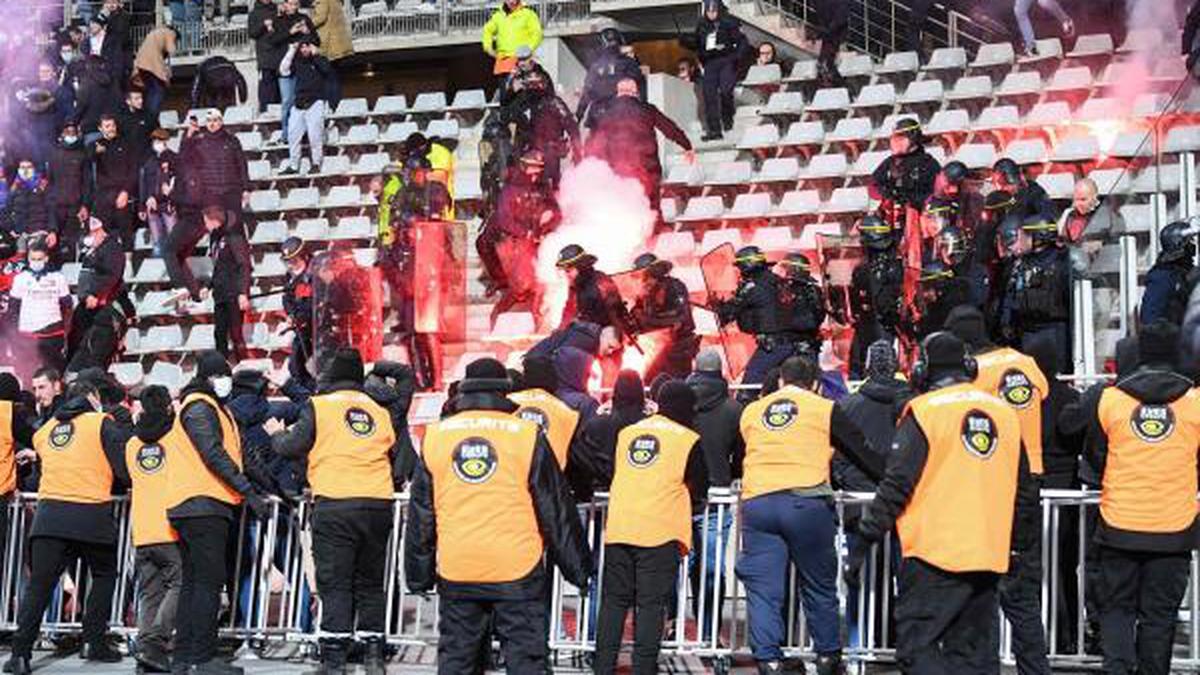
(1014, 378)
(805, 302)
(347, 441)
(876, 289)
(1169, 283)
(665, 304)
(298, 306)
(489, 508)
(205, 487)
(536, 403)
(81, 454)
(157, 556)
(757, 306)
(958, 491)
(659, 473)
(791, 437)
(15, 433)
(1145, 431)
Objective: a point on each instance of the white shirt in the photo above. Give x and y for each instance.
(40, 299)
(96, 42)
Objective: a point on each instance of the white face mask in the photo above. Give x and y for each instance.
(89, 241)
(222, 386)
(159, 147)
(70, 140)
(67, 56)
(25, 174)
(97, 406)
(37, 265)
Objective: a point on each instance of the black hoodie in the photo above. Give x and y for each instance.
(717, 420)
(1152, 385)
(90, 523)
(874, 408)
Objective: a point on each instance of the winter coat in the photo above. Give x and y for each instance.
(157, 172)
(152, 55)
(729, 40)
(329, 16)
(103, 272)
(212, 169)
(232, 265)
(216, 77)
(29, 208)
(117, 163)
(70, 176)
(874, 408)
(267, 52)
(717, 420)
(509, 29)
(135, 127)
(573, 367)
(595, 446)
(625, 136)
(98, 93)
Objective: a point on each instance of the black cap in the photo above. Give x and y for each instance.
(210, 363)
(1158, 343)
(346, 365)
(651, 262)
(416, 142)
(485, 375)
(677, 402)
(944, 351)
(573, 255)
(10, 388)
(967, 323)
(293, 247)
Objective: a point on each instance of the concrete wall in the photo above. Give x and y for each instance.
(677, 99)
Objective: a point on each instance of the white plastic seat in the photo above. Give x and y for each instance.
(825, 166)
(773, 238)
(151, 271)
(1152, 179)
(923, 91)
(971, 89)
(811, 235)
(429, 102)
(200, 337)
(469, 99)
(853, 64)
(876, 96)
(899, 62)
(258, 169)
(1058, 185)
(804, 134)
(1137, 217)
(312, 229)
(1097, 109)
(867, 162)
(750, 205)
(715, 238)
(691, 175)
(269, 232)
(851, 129)
(264, 200)
(398, 132)
(390, 105)
(342, 196)
(1023, 83)
(1070, 79)
(250, 140)
(168, 119)
(1182, 139)
(169, 375)
(443, 129)
(467, 185)
(702, 208)
(674, 245)
(352, 227)
(128, 375)
(706, 322)
(731, 173)
(784, 103)
(998, 118)
(947, 58)
(763, 136)
(272, 265)
(1132, 144)
(1142, 40)
(994, 55)
(361, 134)
(779, 170)
(949, 122)
(370, 163)
(301, 198)
(1092, 45)
(335, 165)
(668, 208)
(235, 115)
(763, 75)
(71, 272)
(1049, 114)
(799, 203)
(976, 155)
(847, 200)
(828, 100)
(804, 70)
(161, 339)
(1112, 181)
(514, 326)
(1027, 151)
(1076, 149)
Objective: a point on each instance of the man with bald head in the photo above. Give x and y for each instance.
(1089, 224)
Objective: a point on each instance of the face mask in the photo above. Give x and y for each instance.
(37, 265)
(89, 241)
(159, 147)
(67, 57)
(222, 386)
(70, 140)
(25, 174)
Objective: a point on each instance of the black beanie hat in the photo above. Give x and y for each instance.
(677, 402)
(346, 365)
(628, 390)
(1158, 343)
(210, 363)
(250, 381)
(944, 351)
(1126, 356)
(539, 373)
(485, 375)
(966, 322)
(10, 388)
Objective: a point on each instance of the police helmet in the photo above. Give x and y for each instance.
(1040, 230)
(936, 271)
(875, 234)
(1177, 241)
(1008, 236)
(611, 38)
(533, 159)
(1009, 171)
(293, 247)
(955, 172)
(749, 259)
(909, 127)
(648, 262)
(797, 264)
(952, 245)
(997, 204)
(573, 255)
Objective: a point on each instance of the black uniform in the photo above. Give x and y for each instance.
(666, 304)
(758, 308)
(905, 181)
(1038, 300)
(544, 123)
(938, 298)
(117, 164)
(609, 68)
(876, 287)
(508, 245)
(1169, 284)
(805, 304)
(595, 299)
(719, 45)
(298, 305)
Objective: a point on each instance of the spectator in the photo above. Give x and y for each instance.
(212, 166)
(721, 41)
(29, 210)
(188, 16)
(116, 163)
(136, 123)
(97, 94)
(70, 189)
(230, 280)
(156, 191)
(1090, 223)
(101, 284)
(595, 444)
(874, 409)
(267, 54)
(314, 80)
(218, 84)
(511, 27)
(151, 69)
(47, 105)
(104, 46)
(290, 27)
(1021, 10)
(117, 30)
(45, 304)
(47, 387)
(685, 69)
(329, 16)
(769, 55)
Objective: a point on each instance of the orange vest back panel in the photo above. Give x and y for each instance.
(74, 466)
(649, 503)
(354, 438)
(147, 463)
(1016, 379)
(487, 530)
(187, 475)
(787, 442)
(8, 450)
(960, 515)
(557, 419)
(1149, 482)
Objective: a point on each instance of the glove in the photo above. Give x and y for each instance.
(855, 561)
(258, 506)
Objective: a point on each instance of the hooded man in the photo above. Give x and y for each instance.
(595, 443)
(70, 188)
(1170, 281)
(720, 44)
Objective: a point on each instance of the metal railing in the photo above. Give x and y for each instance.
(272, 599)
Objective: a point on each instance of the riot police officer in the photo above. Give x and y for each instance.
(1040, 289)
(594, 298)
(526, 213)
(544, 124)
(665, 305)
(1029, 197)
(297, 304)
(609, 67)
(1170, 281)
(1008, 247)
(905, 179)
(805, 303)
(984, 259)
(941, 289)
(875, 290)
(758, 308)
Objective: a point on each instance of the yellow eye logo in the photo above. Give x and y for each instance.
(979, 434)
(1016, 389)
(643, 451)
(150, 459)
(359, 422)
(61, 435)
(1153, 423)
(780, 415)
(474, 460)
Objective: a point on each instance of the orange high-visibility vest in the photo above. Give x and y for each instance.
(351, 457)
(1016, 379)
(556, 419)
(74, 466)
(649, 504)
(147, 464)
(787, 442)
(187, 475)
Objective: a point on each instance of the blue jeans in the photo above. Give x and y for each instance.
(287, 96)
(710, 532)
(1021, 10)
(155, 92)
(779, 528)
(186, 17)
(762, 361)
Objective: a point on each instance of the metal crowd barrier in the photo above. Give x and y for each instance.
(271, 596)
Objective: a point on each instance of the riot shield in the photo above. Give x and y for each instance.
(347, 305)
(721, 280)
(439, 279)
(646, 347)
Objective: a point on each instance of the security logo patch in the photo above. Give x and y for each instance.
(359, 422)
(61, 435)
(150, 458)
(780, 415)
(474, 460)
(1152, 423)
(979, 434)
(1016, 389)
(643, 451)
(537, 416)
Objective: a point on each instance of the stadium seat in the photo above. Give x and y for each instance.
(779, 170)
(674, 245)
(366, 257)
(468, 100)
(343, 196)
(763, 136)
(759, 76)
(1143, 40)
(1137, 217)
(272, 265)
(1132, 144)
(161, 339)
(706, 322)
(1048, 50)
(1020, 84)
(446, 130)
(730, 173)
(312, 229)
(1070, 80)
(169, 375)
(825, 166)
(921, 92)
(361, 134)
(976, 155)
(269, 232)
(994, 56)
(1049, 115)
(1058, 185)
(1168, 74)
(714, 238)
(128, 375)
(71, 270)
(1182, 139)
(238, 115)
(899, 66)
(829, 100)
(398, 132)
(854, 65)
(259, 169)
(1076, 149)
(950, 61)
(867, 162)
(301, 198)
(201, 337)
(429, 103)
(949, 122)
(390, 105)
(168, 119)
(267, 304)
(335, 165)
(151, 271)
(804, 134)
(798, 203)
(370, 163)
(812, 234)
(999, 118)
(1112, 181)
(804, 70)
(353, 227)
(250, 140)
(264, 200)
(847, 200)
(702, 208)
(1121, 73)
(514, 326)
(154, 303)
(1098, 109)
(851, 130)
(1026, 152)
(685, 175)
(773, 239)
(750, 206)
(975, 88)
(1152, 180)
(784, 103)
(1092, 45)
(467, 185)
(884, 131)
(881, 95)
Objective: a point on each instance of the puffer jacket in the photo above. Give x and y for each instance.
(29, 208)
(507, 30)
(70, 176)
(212, 169)
(874, 408)
(573, 367)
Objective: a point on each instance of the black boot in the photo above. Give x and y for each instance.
(18, 665)
(830, 664)
(217, 667)
(152, 659)
(769, 667)
(374, 661)
(333, 658)
(100, 652)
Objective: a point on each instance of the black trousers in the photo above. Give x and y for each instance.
(916, 23)
(203, 543)
(642, 579)
(268, 89)
(117, 221)
(835, 15)
(675, 359)
(1020, 595)
(720, 77)
(49, 557)
(944, 620)
(227, 317)
(350, 552)
(181, 243)
(486, 244)
(465, 625)
(1140, 593)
